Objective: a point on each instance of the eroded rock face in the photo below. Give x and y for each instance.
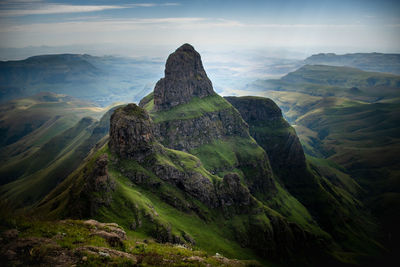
(184, 78)
(188, 134)
(131, 133)
(190, 182)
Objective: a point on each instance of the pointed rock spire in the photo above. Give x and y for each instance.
(184, 78)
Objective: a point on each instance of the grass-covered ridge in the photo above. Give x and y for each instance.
(196, 107)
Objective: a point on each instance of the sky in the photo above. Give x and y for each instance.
(116, 27)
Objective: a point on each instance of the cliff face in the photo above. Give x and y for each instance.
(184, 78)
(272, 132)
(192, 133)
(327, 203)
(131, 133)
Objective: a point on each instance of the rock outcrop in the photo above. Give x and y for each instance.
(111, 232)
(131, 133)
(184, 78)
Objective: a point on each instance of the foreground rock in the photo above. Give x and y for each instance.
(111, 232)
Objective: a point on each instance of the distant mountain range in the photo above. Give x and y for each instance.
(377, 62)
(324, 80)
(102, 80)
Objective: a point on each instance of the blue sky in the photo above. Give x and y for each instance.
(317, 25)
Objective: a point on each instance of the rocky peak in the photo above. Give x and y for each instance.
(131, 133)
(184, 78)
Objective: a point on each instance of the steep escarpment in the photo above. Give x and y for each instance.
(275, 135)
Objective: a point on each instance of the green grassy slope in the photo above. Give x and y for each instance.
(37, 174)
(146, 207)
(28, 123)
(51, 150)
(364, 139)
(156, 212)
(153, 206)
(34, 175)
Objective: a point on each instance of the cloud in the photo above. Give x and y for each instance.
(36, 7)
(101, 25)
(171, 4)
(11, 2)
(198, 30)
(96, 23)
(56, 9)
